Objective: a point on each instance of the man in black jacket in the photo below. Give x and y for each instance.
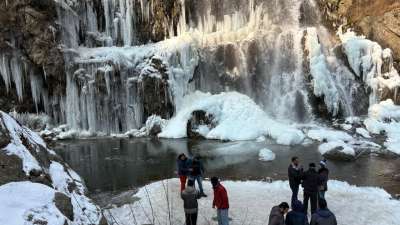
(310, 184)
(294, 173)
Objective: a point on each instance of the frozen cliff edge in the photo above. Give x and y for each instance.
(36, 186)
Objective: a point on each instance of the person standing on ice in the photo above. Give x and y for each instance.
(323, 179)
(197, 172)
(183, 169)
(310, 184)
(220, 201)
(277, 214)
(190, 204)
(297, 215)
(323, 216)
(294, 173)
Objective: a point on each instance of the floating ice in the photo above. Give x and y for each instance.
(266, 155)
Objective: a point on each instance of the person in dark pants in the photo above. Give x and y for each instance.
(294, 173)
(277, 214)
(197, 172)
(297, 215)
(310, 185)
(183, 169)
(323, 179)
(190, 204)
(323, 216)
(221, 201)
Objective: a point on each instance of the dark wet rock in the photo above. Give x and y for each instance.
(337, 154)
(199, 118)
(156, 129)
(63, 203)
(10, 168)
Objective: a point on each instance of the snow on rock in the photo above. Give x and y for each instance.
(34, 154)
(337, 148)
(237, 118)
(266, 155)
(371, 205)
(322, 134)
(363, 132)
(16, 147)
(28, 203)
(366, 58)
(384, 118)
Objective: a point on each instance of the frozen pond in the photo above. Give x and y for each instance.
(122, 164)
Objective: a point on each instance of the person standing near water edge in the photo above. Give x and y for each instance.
(220, 201)
(197, 172)
(277, 214)
(190, 204)
(310, 183)
(183, 169)
(294, 173)
(323, 179)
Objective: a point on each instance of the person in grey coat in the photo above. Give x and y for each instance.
(190, 205)
(323, 216)
(277, 215)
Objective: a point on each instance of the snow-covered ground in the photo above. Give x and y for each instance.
(26, 201)
(251, 201)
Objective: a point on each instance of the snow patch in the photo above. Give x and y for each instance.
(26, 202)
(339, 145)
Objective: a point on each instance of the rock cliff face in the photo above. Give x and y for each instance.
(29, 34)
(378, 20)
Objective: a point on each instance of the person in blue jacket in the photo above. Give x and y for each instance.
(297, 215)
(197, 172)
(183, 169)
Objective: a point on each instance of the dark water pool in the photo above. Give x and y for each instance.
(121, 164)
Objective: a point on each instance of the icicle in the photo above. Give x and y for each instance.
(18, 76)
(5, 70)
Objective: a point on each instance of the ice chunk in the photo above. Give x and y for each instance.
(237, 116)
(363, 132)
(328, 135)
(338, 145)
(266, 155)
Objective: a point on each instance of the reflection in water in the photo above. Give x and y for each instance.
(120, 164)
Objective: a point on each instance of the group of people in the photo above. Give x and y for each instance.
(314, 183)
(192, 170)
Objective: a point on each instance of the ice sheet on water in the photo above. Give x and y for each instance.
(237, 116)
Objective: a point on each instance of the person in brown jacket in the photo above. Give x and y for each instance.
(277, 215)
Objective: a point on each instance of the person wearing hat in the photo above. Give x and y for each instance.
(311, 180)
(323, 179)
(221, 201)
(277, 215)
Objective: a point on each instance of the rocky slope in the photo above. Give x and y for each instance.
(378, 20)
(36, 186)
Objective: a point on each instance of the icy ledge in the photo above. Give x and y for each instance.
(35, 201)
(237, 117)
(352, 205)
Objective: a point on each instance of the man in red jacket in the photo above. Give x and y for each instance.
(220, 201)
